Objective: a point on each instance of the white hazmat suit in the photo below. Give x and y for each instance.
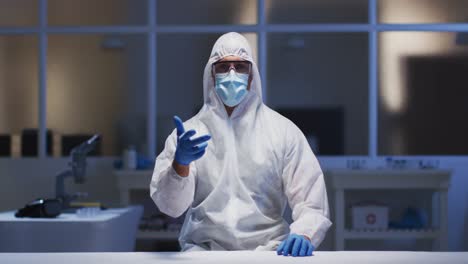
(256, 161)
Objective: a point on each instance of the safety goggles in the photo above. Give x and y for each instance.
(239, 66)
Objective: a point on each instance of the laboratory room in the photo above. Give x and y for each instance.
(233, 131)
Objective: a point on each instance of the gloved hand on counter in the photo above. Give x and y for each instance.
(296, 246)
(188, 150)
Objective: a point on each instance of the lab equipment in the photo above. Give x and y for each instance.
(41, 208)
(78, 171)
(142, 163)
(412, 218)
(69, 141)
(257, 162)
(429, 164)
(188, 149)
(370, 217)
(403, 163)
(296, 246)
(88, 211)
(232, 87)
(130, 158)
(356, 164)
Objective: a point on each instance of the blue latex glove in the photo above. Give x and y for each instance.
(296, 246)
(188, 150)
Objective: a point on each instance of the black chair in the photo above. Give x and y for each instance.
(29, 143)
(5, 146)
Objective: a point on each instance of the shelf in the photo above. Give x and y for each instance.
(392, 234)
(158, 235)
(401, 179)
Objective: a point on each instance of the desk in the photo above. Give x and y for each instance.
(112, 230)
(225, 257)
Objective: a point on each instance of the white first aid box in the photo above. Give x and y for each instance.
(370, 217)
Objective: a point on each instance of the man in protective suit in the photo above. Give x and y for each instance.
(237, 163)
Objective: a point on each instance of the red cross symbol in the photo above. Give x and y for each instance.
(371, 219)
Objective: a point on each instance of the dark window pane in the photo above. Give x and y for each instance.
(97, 84)
(320, 81)
(423, 95)
(18, 93)
(17, 13)
(423, 11)
(316, 11)
(92, 12)
(179, 12)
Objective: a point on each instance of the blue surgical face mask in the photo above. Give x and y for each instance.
(231, 87)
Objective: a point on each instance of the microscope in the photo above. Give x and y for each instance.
(50, 208)
(77, 170)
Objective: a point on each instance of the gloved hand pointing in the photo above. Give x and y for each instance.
(188, 150)
(295, 245)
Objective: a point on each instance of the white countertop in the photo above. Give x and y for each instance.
(224, 257)
(111, 230)
(104, 215)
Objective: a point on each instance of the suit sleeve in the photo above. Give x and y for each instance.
(304, 187)
(171, 193)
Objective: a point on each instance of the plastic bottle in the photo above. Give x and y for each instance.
(130, 158)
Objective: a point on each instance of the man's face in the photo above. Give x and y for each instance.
(233, 58)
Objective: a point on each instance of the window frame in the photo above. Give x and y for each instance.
(151, 30)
